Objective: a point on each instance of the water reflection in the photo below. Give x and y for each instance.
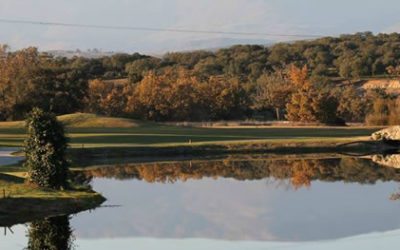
(297, 198)
(50, 234)
(299, 172)
(255, 198)
(392, 160)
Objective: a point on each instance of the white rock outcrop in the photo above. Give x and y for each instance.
(391, 133)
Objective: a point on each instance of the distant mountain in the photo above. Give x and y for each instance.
(166, 46)
(92, 53)
(225, 42)
(207, 44)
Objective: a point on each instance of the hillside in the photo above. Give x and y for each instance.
(81, 120)
(84, 120)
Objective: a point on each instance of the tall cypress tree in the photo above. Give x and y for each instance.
(45, 150)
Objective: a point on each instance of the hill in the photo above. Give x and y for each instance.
(81, 120)
(84, 120)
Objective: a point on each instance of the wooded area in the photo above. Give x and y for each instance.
(304, 81)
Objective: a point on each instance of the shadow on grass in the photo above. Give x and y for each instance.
(10, 178)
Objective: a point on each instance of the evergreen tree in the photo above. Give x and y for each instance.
(45, 150)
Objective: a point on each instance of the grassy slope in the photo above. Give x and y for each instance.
(89, 131)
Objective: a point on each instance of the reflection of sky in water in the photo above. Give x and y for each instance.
(240, 210)
(169, 216)
(6, 158)
(373, 241)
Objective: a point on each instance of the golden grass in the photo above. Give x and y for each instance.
(13, 124)
(84, 120)
(13, 186)
(81, 120)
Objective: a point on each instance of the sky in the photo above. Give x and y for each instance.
(305, 17)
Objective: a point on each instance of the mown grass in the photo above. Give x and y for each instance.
(14, 186)
(87, 130)
(84, 120)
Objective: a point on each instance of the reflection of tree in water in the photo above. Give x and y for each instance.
(50, 234)
(299, 172)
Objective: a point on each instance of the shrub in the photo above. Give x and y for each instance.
(45, 150)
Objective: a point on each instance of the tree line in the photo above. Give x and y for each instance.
(294, 81)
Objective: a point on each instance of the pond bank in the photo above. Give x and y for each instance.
(21, 203)
(296, 146)
(22, 210)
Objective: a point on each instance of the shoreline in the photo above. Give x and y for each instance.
(21, 203)
(335, 145)
(15, 211)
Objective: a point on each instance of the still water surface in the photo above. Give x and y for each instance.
(260, 202)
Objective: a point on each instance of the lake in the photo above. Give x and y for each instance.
(234, 202)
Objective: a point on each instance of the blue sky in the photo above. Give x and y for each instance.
(319, 17)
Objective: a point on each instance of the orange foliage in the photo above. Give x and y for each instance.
(298, 76)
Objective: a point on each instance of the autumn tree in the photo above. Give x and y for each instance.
(107, 98)
(29, 79)
(148, 99)
(223, 98)
(385, 111)
(273, 91)
(394, 112)
(298, 76)
(309, 103)
(97, 92)
(18, 79)
(177, 94)
(393, 71)
(115, 102)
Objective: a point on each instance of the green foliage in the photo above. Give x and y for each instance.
(137, 69)
(353, 103)
(45, 150)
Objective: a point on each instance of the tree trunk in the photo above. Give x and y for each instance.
(278, 114)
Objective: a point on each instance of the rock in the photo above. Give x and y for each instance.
(392, 161)
(391, 133)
